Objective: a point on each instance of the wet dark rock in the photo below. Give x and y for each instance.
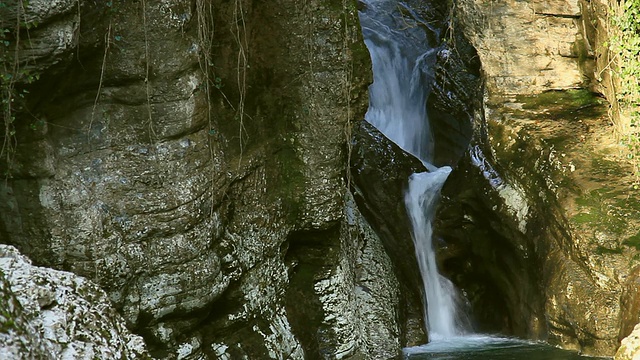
(380, 171)
(454, 99)
(487, 257)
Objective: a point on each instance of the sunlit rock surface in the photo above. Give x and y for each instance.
(551, 194)
(630, 346)
(548, 219)
(526, 47)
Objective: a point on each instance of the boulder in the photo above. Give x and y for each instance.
(630, 346)
(51, 314)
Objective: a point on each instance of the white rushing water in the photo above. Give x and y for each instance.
(402, 70)
(401, 76)
(421, 199)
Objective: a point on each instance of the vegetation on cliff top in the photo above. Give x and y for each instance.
(625, 50)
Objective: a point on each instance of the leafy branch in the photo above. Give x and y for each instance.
(625, 50)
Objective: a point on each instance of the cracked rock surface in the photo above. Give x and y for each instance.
(51, 314)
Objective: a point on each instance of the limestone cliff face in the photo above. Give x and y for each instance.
(527, 46)
(190, 157)
(553, 202)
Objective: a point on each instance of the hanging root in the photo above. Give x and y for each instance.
(152, 133)
(240, 35)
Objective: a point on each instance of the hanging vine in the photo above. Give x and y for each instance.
(14, 72)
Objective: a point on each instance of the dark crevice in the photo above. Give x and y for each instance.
(310, 255)
(565, 16)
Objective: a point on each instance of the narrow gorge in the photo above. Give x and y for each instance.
(208, 179)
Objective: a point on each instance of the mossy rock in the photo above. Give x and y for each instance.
(633, 241)
(567, 104)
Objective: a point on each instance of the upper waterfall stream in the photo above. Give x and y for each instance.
(403, 64)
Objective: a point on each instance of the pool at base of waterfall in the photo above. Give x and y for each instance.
(482, 347)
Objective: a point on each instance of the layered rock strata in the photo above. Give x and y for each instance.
(553, 204)
(191, 158)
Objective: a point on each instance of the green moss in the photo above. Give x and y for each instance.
(516, 155)
(606, 167)
(600, 211)
(568, 98)
(601, 250)
(290, 178)
(607, 210)
(559, 142)
(339, 5)
(567, 104)
(633, 241)
(584, 218)
(359, 53)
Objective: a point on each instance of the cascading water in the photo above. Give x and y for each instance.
(401, 76)
(403, 59)
(421, 199)
(402, 69)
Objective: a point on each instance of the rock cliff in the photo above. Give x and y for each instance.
(554, 206)
(191, 158)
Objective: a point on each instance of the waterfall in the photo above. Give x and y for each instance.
(421, 199)
(402, 70)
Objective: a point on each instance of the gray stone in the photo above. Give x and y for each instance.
(58, 315)
(174, 173)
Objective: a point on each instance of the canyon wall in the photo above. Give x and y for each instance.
(191, 158)
(553, 220)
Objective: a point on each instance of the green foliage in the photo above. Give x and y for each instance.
(601, 250)
(567, 104)
(218, 83)
(625, 46)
